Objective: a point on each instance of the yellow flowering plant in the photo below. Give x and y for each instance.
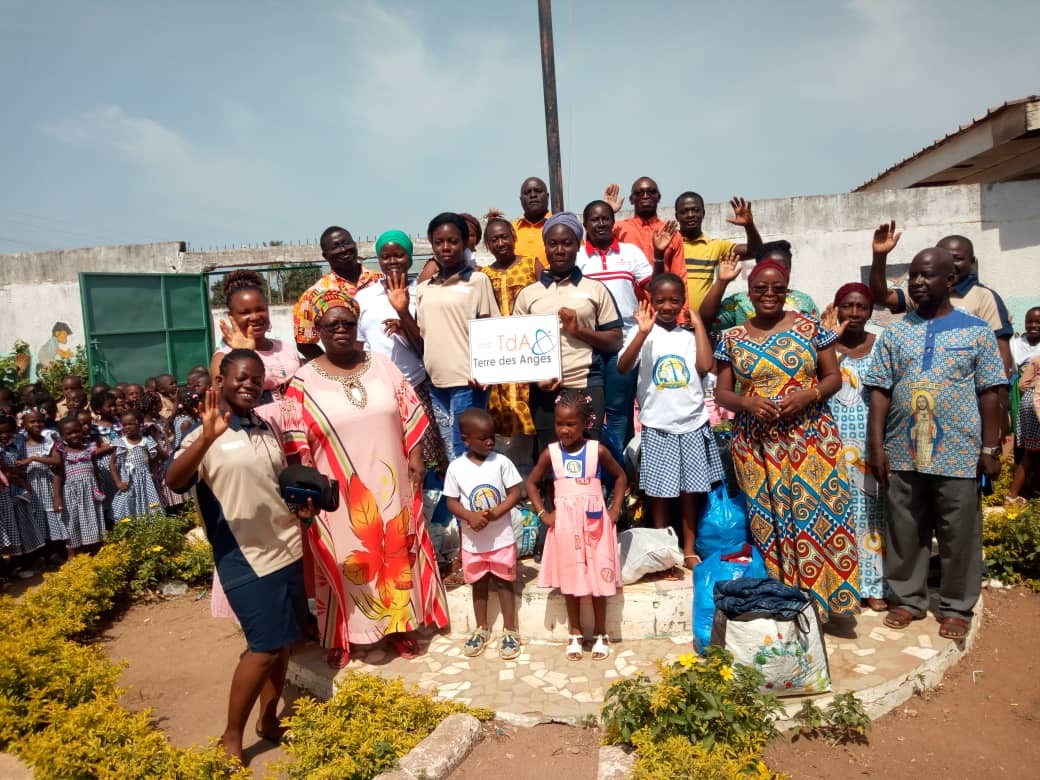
(708, 701)
(162, 551)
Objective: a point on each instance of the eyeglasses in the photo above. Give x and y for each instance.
(333, 327)
(776, 289)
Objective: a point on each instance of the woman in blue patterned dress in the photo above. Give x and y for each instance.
(132, 471)
(786, 449)
(852, 307)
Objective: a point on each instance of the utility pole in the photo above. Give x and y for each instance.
(552, 117)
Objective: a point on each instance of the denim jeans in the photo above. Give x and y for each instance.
(448, 404)
(619, 392)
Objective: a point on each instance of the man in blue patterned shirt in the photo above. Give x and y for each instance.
(933, 429)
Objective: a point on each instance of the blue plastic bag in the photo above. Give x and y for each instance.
(715, 569)
(724, 525)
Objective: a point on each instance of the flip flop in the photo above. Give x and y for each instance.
(954, 628)
(900, 617)
(876, 604)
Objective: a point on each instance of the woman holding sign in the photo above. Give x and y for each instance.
(509, 405)
(589, 323)
(444, 306)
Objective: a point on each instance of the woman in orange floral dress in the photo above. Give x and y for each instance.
(508, 405)
(352, 415)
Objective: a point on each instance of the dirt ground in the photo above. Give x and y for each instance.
(983, 721)
(180, 664)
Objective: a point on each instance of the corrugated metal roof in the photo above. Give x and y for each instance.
(962, 129)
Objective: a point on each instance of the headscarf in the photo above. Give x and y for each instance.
(766, 265)
(398, 237)
(853, 287)
(568, 218)
(334, 299)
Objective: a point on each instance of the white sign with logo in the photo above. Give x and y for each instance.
(506, 350)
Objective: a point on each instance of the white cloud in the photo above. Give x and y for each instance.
(403, 89)
(209, 183)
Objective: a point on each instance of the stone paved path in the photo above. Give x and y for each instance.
(543, 684)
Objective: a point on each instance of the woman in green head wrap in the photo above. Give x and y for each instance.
(387, 325)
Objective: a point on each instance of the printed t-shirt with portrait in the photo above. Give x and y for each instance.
(669, 389)
(701, 256)
(375, 310)
(595, 309)
(623, 269)
(480, 486)
(935, 369)
(444, 308)
(252, 532)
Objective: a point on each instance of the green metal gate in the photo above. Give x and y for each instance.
(141, 325)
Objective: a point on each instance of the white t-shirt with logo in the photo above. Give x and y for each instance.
(480, 486)
(670, 393)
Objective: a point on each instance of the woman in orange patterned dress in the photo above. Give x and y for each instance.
(354, 416)
(786, 447)
(509, 274)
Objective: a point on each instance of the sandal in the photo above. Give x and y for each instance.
(337, 657)
(900, 617)
(696, 561)
(405, 647)
(574, 648)
(876, 604)
(510, 647)
(476, 643)
(954, 628)
(601, 648)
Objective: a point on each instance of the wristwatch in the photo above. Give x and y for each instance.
(993, 452)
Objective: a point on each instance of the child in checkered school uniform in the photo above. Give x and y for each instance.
(678, 455)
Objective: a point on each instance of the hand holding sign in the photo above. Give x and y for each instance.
(511, 350)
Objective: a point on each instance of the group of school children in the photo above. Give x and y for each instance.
(71, 468)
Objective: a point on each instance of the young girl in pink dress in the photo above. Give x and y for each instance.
(581, 548)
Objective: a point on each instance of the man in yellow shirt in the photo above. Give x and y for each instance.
(534, 200)
(701, 253)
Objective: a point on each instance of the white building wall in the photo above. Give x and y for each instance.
(830, 233)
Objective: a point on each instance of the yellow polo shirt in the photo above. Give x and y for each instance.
(701, 257)
(529, 242)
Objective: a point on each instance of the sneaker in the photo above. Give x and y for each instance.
(510, 647)
(476, 643)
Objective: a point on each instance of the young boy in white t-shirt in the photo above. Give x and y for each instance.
(678, 454)
(480, 489)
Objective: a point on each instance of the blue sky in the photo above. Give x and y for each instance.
(233, 122)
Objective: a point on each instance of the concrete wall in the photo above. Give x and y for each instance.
(830, 233)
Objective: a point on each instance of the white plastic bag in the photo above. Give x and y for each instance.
(790, 653)
(647, 550)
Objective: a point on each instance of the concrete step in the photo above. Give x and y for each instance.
(652, 608)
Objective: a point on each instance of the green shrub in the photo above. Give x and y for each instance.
(161, 551)
(59, 708)
(14, 366)
(709, 701)
(676, 758)
(1011, 544)
(363, 730)
(843, 721)
(52, 376)
(1001, 484)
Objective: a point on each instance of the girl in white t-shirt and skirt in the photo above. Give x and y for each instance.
(678, 456)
